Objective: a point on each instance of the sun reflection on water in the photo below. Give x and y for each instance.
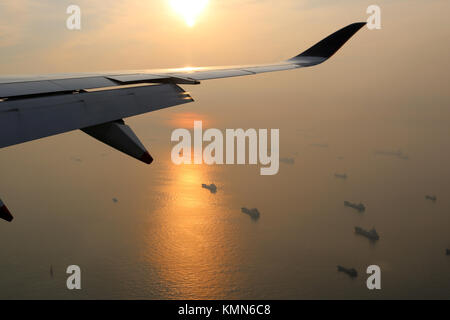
(188, 240)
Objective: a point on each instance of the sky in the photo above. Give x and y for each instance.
(132, 34)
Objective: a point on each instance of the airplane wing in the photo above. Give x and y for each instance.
(35, 107)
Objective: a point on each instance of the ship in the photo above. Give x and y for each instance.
(340, 176)
(432, 198)
(399, 154)
(211, 187)
(351, 272)
(448, 252)
(287, 160)
(371, 234)
(389, 153)
(253, 213)
(360, 207)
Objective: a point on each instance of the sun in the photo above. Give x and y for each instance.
(189, 9)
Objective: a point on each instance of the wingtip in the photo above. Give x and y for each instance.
(146, 158)
(362, 23)
(331, 44)
(358, 25)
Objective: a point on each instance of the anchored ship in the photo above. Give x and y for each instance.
(211, 187)
(371, 234)
(360, 207)
(253, 213)
(351, 272)
(432, 198)
(399, 154)
(340, 176)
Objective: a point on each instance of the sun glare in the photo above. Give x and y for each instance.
(189, 9)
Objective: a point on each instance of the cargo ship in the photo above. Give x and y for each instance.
(371, 234)
(360, 207)
(351, 272)
(253, 213)
(211, 187)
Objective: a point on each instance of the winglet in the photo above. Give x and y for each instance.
(330, 45)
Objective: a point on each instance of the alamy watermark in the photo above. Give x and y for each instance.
(73, 22)
(74, 280)
(374, 20)
(374, 280)
(236, 142)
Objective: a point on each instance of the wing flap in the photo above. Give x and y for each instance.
(134, 78)
(29, 88)
(271, 68)
(18, 90)
(214, 74)
(151, 78)
(76, 84)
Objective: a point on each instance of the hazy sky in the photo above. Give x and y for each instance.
(135, 34)
(149, 34)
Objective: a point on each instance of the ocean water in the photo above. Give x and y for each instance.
(168, 238)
